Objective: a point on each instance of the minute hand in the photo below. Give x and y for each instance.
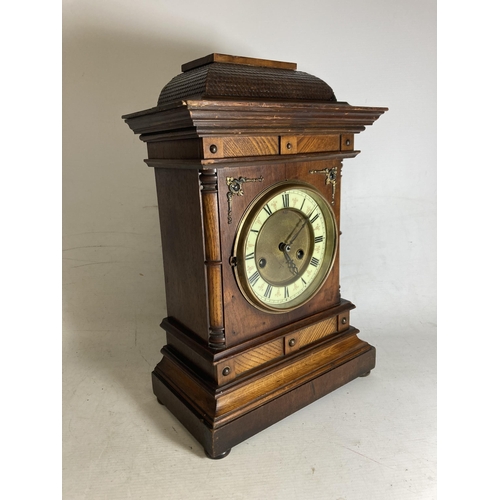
(300, 228)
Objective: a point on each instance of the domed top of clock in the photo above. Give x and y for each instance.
(223, 95)
(221, 75)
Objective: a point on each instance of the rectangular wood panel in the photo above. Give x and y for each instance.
(233, 147)
(259, 356)
(184, 149)
(182, 236)
(309, 144)
(318, 143)
(254, 358)
(306, 336)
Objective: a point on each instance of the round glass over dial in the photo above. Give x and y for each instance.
(285, 247)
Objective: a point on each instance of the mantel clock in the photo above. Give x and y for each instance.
(247, 155)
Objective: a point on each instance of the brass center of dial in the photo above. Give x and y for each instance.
(280, 260)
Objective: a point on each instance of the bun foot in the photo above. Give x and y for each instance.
(366, 374)
(157, 399)
(218, 457)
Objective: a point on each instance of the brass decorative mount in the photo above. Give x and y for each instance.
(235, 188)
(331, 178)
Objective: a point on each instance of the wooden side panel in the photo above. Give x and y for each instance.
(179, 206)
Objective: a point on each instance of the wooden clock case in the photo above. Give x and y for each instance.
(225, 130)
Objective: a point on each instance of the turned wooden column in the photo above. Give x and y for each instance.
(213, 258)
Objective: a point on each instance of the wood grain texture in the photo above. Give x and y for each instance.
(210, 205)
(193, 389)
(247, 356)
(272, 351)
(309, 144)
(216, 441)
(212, 117)
(179, 205)
(297, 340)
(248, 61)
(232, 147)
(248, 161)
(213, 255)
(263, 416)
(269, 386)
(220, 406)
(243, 321)
(259, 356)
(217, 337)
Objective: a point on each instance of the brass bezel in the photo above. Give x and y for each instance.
(242, 234)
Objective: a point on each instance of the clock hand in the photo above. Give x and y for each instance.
(293, 231)
(301, 227)
(291, 264)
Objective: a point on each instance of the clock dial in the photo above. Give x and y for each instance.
(285, 247)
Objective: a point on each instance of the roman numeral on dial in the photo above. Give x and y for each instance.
(314, 262)
(269, 290)
(250, 256)
(318, 239)
(314, 218)
(254, 278)
(286, 200)
(267, 209)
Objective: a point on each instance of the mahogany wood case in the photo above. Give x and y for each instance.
(225, 132)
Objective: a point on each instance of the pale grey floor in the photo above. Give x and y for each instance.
(374, 438)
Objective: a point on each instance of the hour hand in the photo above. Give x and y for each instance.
(291, 264)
